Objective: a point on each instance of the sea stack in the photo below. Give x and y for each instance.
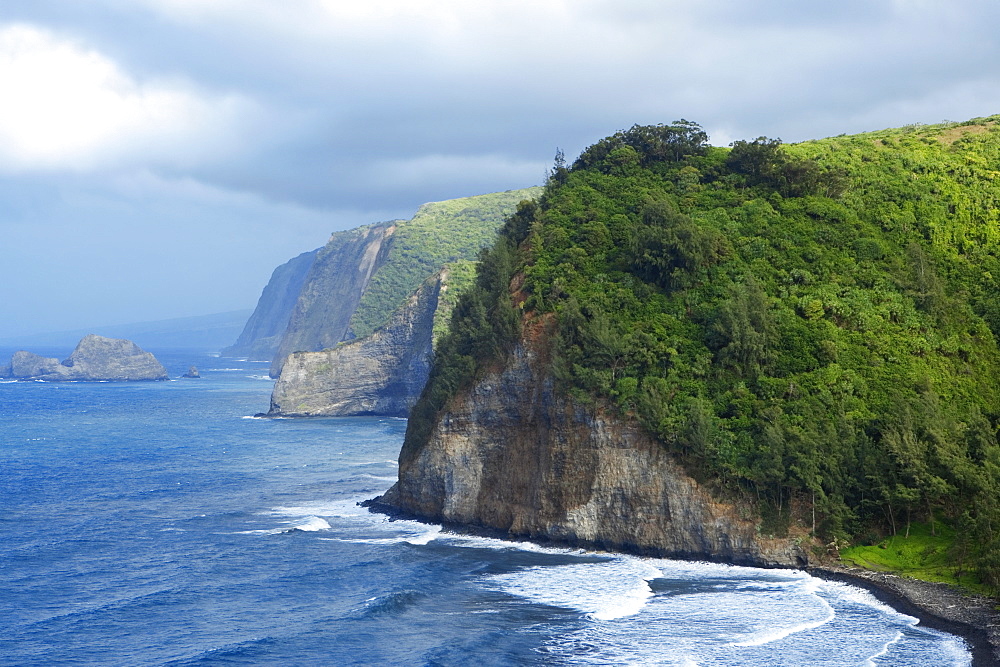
(95, 359)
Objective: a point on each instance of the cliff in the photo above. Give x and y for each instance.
(513, 456)
(363, 276)
(263, 331)
(332, 290)
(95, 358)
(812, 327)
(380, 374)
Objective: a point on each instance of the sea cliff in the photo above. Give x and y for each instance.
(380, 374)
(262, 333)
(332, 290)
(512, 455)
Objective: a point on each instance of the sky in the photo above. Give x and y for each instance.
(159, 158)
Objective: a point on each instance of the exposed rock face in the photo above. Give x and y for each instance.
(95, 358)
(28, 364)
(511, 455)
(331, 291)
(192, 373)
(264, 329)
(381, 374)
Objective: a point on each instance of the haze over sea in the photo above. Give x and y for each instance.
(159, 524)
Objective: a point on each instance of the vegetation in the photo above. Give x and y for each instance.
(459, 277)
(439, 233)
(813, 327)
(924, 553)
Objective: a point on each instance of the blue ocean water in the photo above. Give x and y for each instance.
(159, 524)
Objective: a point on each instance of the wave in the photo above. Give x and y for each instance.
(326, 508)
(309, 524)
(604, 591)
(421, 536)
(260, 377)
(391, 604)
(312, 524)
(772, 635)
(870, 662)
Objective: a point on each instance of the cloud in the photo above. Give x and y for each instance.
(70, 107)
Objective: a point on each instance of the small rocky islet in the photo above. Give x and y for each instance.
(95, 359)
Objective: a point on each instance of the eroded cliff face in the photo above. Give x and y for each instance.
(511, 455)
(332, 290)
(263, 331)
(380, 374)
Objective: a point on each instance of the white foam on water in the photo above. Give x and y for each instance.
(420, 535)
(325, 508)
(604, 591)
(377, 478)
(772, 635)
(260, 377)
(254, 417)
(312, 524)
(309, 524)
(477, 542)
(870, 662)
(857, 595)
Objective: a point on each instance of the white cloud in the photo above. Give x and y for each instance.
(66, 106)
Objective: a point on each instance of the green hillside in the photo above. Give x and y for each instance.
(811, 328)
(439, 233)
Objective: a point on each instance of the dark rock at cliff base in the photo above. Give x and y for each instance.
(95, 358)
(192, 373)
(511, 454)
(381, 374)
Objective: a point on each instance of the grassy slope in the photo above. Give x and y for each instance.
(439, 233)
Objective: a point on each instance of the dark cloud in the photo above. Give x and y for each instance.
(344, 113)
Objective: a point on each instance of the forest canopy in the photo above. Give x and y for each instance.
(811, 325)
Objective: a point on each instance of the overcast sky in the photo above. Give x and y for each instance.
(158, 158)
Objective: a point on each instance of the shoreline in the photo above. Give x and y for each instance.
(937, 606)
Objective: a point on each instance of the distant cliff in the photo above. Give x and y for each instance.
(95, 358)
(380, 374)
(332, 290)
(263, 331)
(356, 283)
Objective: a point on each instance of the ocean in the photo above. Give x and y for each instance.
(161, 524)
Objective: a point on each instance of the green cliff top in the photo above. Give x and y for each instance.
(439, 233)
(812, 328)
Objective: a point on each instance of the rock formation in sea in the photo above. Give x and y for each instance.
(263, 331)
(95, 358)
(192, 373)
(513, 456)
(380, 374)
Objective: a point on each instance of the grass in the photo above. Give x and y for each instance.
(921, 555)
